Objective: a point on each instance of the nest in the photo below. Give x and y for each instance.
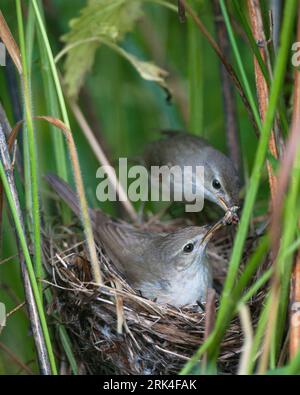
(114, 330)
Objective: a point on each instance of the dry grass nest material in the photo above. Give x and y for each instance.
(115, 330)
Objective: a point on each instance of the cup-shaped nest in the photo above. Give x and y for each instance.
(113, 329)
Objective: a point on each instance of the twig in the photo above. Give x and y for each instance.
(10, 258)
(245, 318)
(223, 59)
(227, 91)
(15, 309)
(100, 155)
(210, 314)
(119, 308)
(30, 300)
(261, 83)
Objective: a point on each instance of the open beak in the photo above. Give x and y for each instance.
(212, 230)
(229, 217)
(223, 203)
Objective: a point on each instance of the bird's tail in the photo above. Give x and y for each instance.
(68, 195)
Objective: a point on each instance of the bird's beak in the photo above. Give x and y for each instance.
(223, 203)
(211, 231)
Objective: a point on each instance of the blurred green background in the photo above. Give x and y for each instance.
(125, 113)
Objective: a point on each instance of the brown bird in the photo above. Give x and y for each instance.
(167, 267)
(221, 180)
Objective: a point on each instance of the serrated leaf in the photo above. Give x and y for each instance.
(105, 19)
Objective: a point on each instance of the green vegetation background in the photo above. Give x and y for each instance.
(129, 113)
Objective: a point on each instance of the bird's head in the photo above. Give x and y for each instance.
(221, 181)
(186, 246)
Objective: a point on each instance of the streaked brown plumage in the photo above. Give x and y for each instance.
(169, 267)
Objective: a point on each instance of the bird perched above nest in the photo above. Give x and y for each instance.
(221, 181)
(167, 267)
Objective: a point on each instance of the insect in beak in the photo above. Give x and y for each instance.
(230, 215)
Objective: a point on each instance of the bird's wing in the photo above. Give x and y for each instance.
(135, 254)
(121, 237)
(129, 248)
(126, 246)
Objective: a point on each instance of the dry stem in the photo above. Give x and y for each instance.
(223, 59)
(228, 94)
(99, 153)
(261, 84)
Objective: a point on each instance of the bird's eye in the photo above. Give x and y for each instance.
(188, 247)
(216, 184)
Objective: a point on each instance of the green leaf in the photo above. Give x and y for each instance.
(68, 348)
(109, 20)
(147, 70)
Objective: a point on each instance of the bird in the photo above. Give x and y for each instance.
(167, 267)
(221, 179)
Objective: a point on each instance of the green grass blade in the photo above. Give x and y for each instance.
(240, 65)
(31, 150)
(58, 88)
(195, 79)
(68, 348)
(263, 146)
(25, 250)
(254, 47)
(59, 147)
(213, 342)
(52, 104)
